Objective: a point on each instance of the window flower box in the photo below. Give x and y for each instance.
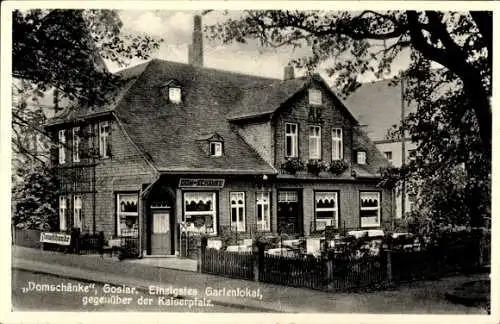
(316, 166)
(292, 165)
(337, 167)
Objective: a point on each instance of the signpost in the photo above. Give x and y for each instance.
(55, 238)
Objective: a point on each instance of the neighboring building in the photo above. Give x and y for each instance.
(378, 106)
(187, 148)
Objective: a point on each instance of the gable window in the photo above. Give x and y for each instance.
(291, 140)
(63, 213)
(337, 145)
(216, 148)
(62, 146)
(237, 211)
(200, 212)
(76, 144)
(77, 212)
(361, 157)
(127, 214)
(314, 142)
(369, 210)
(315, 97)
(263, 211)
(174, 95)
(326, 209)
(104, 148)
(388, 156)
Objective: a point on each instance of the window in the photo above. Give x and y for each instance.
(215, 148)
(361, 157)
(388, 155)
(63, 213)
(127, 215)
(62, 146)
(200, 212)
(237, 211)
(263, 211)
(326, 208)
(291, 140)
(314, 142)
(315, 97)
(369, 209)
(76, 144)
(337, 146)
(77, 212)
(104, 149)
(174, 95)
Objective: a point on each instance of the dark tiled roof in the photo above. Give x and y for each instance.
(265, 99)
(378, 106)
(170, 133)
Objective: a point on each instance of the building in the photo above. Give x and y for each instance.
(379, 107)
(188, 148)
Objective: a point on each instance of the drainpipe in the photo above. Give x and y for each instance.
(142, 197)
(403, 149)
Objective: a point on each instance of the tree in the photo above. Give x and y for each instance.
(36, 200)
(62, 52)
(369, 41)
(451, 173)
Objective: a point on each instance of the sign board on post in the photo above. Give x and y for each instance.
(55, 238)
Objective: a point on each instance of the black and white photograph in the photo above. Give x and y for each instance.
(224, 159)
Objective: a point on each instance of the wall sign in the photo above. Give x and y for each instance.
(55, 238)
(201, 183)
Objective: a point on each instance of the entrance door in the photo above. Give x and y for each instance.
(161, 235)
(289, 211)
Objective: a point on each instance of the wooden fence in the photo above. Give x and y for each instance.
(228, 264)
(351, 274)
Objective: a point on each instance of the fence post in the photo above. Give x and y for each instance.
(75, 240)
(258, 261)
(389, 266)
(100, 242)
(201, 253)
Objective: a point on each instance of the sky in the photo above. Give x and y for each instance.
(175, 27)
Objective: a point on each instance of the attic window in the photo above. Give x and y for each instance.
(361, 157)
(174, 95)
(315, 97)
(215, 148)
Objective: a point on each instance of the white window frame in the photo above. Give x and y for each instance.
(388, 155)
(315, 97)
(294, 139)
(190, 227)
(377, 208)
(76, 144)
(239, 208)
(263, 199)
(62, 146)
(104, 138)
(123, 215)
(335, 210)
(63, 213)
(217, 149)
(174, 95)
(361, 157)
(77, 212)
(315, 142)
(337, 144)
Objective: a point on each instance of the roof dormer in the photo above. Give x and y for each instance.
(172, 91)
(212, 144)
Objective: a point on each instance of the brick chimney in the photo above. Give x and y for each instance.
(195, 50)
(289, 73)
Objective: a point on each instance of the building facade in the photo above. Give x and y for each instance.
(185, 148)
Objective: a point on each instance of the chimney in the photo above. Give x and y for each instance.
(289, 73)
(195, 50)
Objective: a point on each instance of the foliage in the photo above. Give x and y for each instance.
(292, 165)
(451, 174)
(35, 201)
(338, 166)
(316, 166)
(60, 53)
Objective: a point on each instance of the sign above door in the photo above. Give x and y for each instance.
(201, 183)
